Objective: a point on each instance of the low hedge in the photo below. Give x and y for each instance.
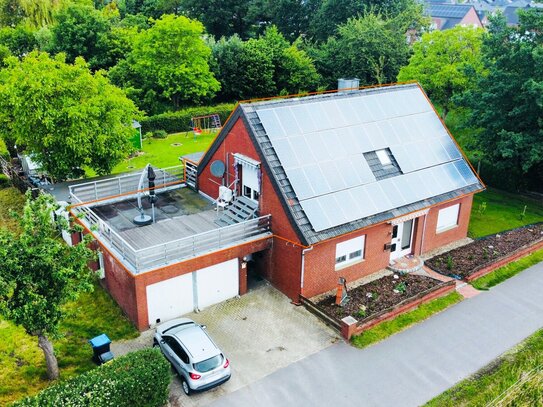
(139, 378)
(174, 122)
(4, 181)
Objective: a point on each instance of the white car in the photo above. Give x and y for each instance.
(193, 354)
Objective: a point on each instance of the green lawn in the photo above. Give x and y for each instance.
(404, 321)
(503, 211)
(515, 378)
(507, 271)
(22, 365)
(164, 153)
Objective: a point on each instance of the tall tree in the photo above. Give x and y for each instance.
(507, 103)
(221, 17)
(445, 63)
(171, 59)
(261, 67)
(371, 48)
(64, 115)
(39, 273)
(331, 14)
(81, 30)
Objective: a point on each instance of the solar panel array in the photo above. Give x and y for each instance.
(321, 144)
(449, 10)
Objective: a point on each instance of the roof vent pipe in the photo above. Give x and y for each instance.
(344, 84)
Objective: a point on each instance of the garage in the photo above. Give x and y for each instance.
(217, 283)
(197, 290)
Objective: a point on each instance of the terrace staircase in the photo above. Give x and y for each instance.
(240, 210)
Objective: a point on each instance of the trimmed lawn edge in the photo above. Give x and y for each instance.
(507, 271)
(498, 380)
(404, 321)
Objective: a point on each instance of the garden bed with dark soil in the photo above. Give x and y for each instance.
(466, 260)
(377, 296)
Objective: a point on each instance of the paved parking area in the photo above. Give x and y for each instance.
(260, 332)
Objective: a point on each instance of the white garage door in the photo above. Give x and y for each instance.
(170, 298)
(217, 283)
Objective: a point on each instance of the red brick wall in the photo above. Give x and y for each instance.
(432, 239)
(238, 141)
(320, 274)
(130, 291)
(283, 264)
(122, 287)
(472, 19)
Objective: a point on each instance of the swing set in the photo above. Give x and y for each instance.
(205, 124)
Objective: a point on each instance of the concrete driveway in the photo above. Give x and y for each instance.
(260, 332)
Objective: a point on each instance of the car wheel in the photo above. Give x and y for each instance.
(185, 386)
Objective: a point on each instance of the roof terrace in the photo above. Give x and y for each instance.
(184, 221)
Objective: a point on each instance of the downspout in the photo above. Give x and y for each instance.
(423, 231)
(303, 266)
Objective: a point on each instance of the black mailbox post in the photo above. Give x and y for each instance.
(100, 347)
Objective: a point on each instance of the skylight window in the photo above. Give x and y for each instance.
(383, 157)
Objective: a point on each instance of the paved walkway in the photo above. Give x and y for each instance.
(413, 366)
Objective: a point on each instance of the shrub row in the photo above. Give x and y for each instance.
(4, 181)
(140, 378)
(174, 122)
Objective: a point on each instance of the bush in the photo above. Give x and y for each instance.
(140, 378)
(175, 122)
(160, 134)
(4, 181)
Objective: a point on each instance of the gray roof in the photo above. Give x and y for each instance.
(313, 148)
(452, 14)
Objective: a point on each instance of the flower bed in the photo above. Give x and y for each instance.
(465, 262)
(377, 296)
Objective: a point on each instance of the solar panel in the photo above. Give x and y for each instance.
(300, 183)
(466, 172)
(320, 145)
(269, 120)
(316, 215)
(288, 121)
(285, 153)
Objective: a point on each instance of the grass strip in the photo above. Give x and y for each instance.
(514, 379)
(401, 322)
(503, 273)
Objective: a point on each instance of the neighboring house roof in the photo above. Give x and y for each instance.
(344, 161)
(447, 15)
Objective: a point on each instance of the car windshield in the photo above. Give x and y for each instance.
(208, 364)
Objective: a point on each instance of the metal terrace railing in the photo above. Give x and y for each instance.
(151, 257)
(125, 184)
(106, 234)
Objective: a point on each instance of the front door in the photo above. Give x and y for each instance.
(402, 239)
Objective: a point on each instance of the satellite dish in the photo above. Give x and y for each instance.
(217, 168)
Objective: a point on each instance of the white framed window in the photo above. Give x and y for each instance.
(447, 218)
(350, 251)
(383, 157)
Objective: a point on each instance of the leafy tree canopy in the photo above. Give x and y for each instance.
(170, 58)
(39, 273)
(445, 63)
(331, 14)
(507, 103)
(262, 67)
(371, 48)
(221, 17)
(64, 115)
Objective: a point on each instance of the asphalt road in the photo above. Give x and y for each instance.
(414, 366)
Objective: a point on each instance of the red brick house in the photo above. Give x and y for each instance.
(446, 15)
(301, 190)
